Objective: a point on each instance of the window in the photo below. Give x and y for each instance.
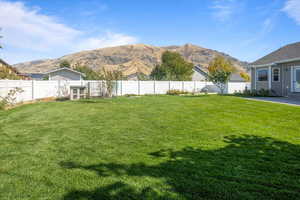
(276, 74)
(262, 75)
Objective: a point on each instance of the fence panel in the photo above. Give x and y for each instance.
(43, 89)
(189, 86)
(176, 85)
(146, 87)
(130, 87)
(26, 86)
(238, 87)
(162, 87)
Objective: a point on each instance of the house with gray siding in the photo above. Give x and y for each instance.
(65, 74)
(278, 72)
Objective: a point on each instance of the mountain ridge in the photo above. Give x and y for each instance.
(130, 59)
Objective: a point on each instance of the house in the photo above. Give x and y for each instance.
(8, 72)
(278, 71)
(34, 76)
(201, 74)
(65, 74)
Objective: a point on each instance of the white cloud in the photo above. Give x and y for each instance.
(26, 30)
(223, 9)
(108, 40)
(292, 8)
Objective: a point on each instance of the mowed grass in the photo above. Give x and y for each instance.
(152, 147)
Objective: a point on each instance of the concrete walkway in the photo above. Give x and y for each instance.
(280, 100)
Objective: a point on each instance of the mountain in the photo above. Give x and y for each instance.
(130, 59)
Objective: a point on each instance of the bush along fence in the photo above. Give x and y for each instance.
(34, 90)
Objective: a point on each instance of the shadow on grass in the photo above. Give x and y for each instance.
(249, 167)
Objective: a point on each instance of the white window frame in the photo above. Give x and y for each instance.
(278, 74)
(264, 69)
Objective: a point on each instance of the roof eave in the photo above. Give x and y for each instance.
(59, 69)
(277, 62)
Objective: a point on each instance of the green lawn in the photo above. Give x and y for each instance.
(153, 147)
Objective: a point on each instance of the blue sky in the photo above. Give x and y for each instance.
(245, 29)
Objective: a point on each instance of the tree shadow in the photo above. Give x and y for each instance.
(248, 167)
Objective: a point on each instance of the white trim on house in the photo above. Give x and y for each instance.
(270, 77)
(255, 78)
(292, 79)
(277, 62)
(295, 68)
(279, 73)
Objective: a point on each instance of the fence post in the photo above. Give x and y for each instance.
(139, 92)
(121, 87)
(59, 90)
(32, 89)
(194, 86)
(116, 87)
(182, 85)
(169, 85)
(154, 87)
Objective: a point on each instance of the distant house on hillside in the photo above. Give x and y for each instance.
(201, 74)
(278, 71)
(65, 74)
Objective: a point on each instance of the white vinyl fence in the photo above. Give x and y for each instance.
(33, 90)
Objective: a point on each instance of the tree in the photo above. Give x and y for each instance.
(109, 78)
(173, 67)
(89, 73)
(65, 63)
(245, 76)
(219, 72)
(158, 73)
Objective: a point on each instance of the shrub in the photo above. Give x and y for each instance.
(176, 92)
(11, 98)
(257, 93)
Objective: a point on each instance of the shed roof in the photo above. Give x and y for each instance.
(65, 68)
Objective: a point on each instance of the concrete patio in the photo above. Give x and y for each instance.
(280, 100)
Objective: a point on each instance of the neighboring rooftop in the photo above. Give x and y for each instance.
(3, 62)
(235, 77)
(65, 68)
(288, 52)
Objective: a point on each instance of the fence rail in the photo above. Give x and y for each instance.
(33, 90)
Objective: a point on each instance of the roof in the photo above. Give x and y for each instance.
(4, 63)
(235, 77)
(9, 66)
(287, 53)
(200, 69)
(65, 68)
